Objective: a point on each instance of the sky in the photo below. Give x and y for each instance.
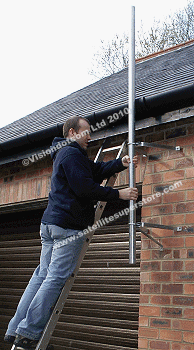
(47, 46)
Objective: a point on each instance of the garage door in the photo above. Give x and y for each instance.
(102, 309)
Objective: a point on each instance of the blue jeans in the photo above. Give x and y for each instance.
(60, 251)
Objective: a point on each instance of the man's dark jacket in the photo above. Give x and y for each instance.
(75, 185)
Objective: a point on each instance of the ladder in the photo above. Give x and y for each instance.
(51, 324)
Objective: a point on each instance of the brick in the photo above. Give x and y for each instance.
(144, 276)
(189, 288)
(173, 175)
(171, 312)
(160, 276)
(173, 242)
(180, 208)
(146, 211)
(187, 184)
(176, 346)
(160, 300)
(174, 197)
(190, 195)
(150, 266)
(172, 265)
(183, 276)
(188, 151)
(162, 209)
(189, 265)
(144, 299)
(161, 188)
(183, 253)
(155, 137)
(170, 335)
(177, 219)
(165, 126)
(152, 200)
(166, 253)
(187, 207)
(149, 167)
(183, 163)
(150, 288)
(159, 345)
(160, 233)
(183, 325)
(188, 337)
(143, 321)
(152, 179)
(146, 190)
(190, 253)
(189, 218)
(175, 154)
(183, 300)
(145, 243)
(184, 141)
(176, 132)
(148, 332)
(142, 343)
(160, 322)
(189, 313)
(172, 288)
(149, 310)
(189, 241)
(153, 220)
(145, 255)
(190, 172)
(176, 254)
(163, 166)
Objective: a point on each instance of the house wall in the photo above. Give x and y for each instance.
(166, 300)
(19, 183)
(166, 310)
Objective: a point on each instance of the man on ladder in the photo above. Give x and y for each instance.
(75, 185)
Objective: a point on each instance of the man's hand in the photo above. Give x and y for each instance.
(126, 160)
(128, 193)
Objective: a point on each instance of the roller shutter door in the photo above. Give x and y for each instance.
(102, 309)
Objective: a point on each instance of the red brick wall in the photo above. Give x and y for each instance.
(20, 183)
(166, 314)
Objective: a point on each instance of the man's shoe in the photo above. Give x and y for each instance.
(9, 339)
(23, 343)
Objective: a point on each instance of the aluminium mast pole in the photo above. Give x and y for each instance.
(131, 133)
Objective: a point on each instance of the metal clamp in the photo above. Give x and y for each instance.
(155, 145)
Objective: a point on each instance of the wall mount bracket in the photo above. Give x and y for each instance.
(155, 145)
(142, 226)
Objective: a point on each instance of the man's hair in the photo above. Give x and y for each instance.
(72, 122)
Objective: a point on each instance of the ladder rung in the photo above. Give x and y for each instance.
(111, 148)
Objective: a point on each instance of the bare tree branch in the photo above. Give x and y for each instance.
(113, 56)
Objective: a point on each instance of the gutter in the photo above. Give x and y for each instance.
(152, 106)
